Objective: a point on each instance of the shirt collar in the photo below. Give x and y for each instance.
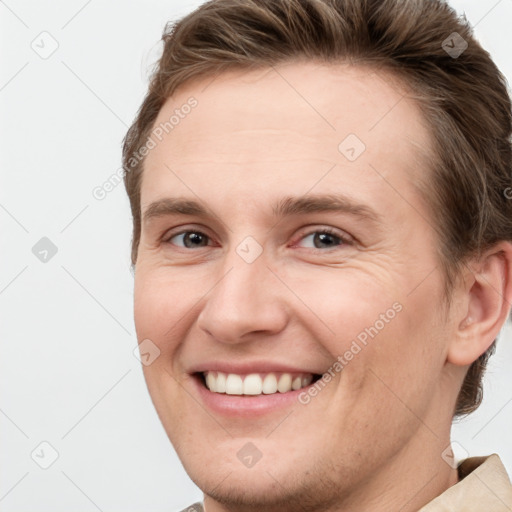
(483, 485)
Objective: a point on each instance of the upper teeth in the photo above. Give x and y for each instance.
(255, 383)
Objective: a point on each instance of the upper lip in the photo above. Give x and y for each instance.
(248, 367)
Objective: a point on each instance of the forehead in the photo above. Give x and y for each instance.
(286, 126)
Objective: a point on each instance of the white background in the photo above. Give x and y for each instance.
(67, 372)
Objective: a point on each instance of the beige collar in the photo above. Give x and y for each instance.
(484, 486)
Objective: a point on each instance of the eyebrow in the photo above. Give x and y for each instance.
(287, 206)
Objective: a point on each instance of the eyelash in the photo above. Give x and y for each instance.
(344, 239)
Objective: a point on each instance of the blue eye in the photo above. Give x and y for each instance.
(320, 239)
(324, 239)
(190, 239)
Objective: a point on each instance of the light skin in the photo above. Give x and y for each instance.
(372, 438)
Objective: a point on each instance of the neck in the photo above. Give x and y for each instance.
(407, 482)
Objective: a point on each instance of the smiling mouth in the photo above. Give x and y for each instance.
(254, 384)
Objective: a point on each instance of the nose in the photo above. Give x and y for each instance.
(246, 300)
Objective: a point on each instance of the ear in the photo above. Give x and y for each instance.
(484, 305)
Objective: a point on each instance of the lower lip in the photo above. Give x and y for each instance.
(246, 405)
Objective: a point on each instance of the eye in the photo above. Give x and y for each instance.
(323, 239)
(189, 239)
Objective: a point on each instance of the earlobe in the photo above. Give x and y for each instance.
(487, 300)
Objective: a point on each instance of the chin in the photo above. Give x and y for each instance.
(282, 481)
(256, 490)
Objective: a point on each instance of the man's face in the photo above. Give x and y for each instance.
(255, 285)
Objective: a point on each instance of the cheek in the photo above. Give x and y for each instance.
(161, 305)
(404, 361)
(342, 305)
(391, 341)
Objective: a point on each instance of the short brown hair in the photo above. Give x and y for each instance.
(463, 97)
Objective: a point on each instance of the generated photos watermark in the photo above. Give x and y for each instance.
(156, 136)
(357, 345)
